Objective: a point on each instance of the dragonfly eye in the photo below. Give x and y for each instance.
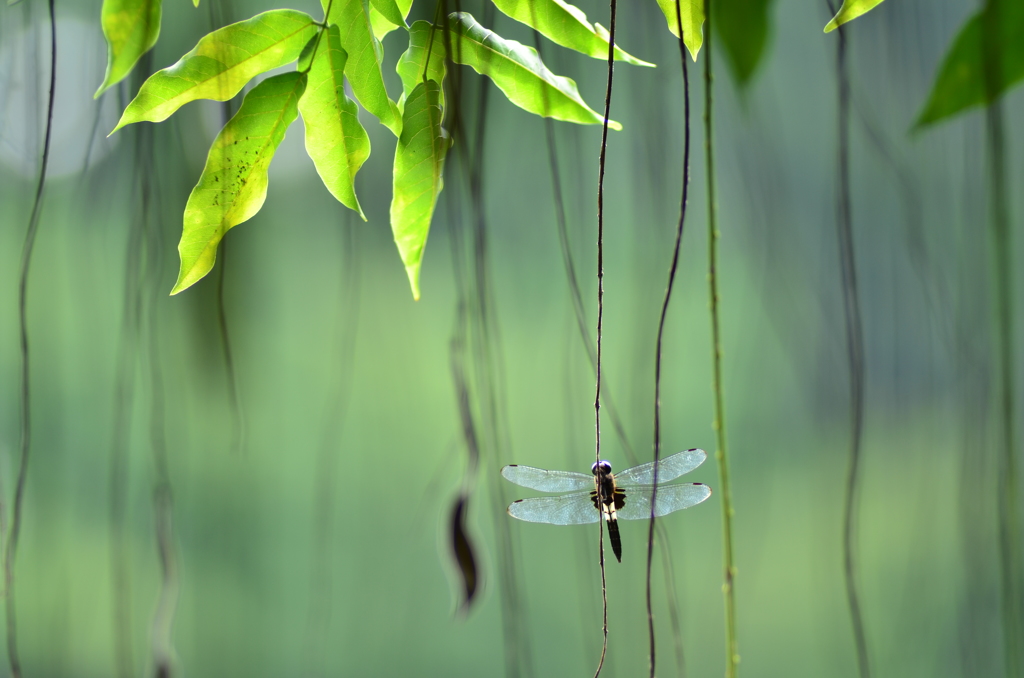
(601, 466)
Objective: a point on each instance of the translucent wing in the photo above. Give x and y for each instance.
(547, 481)
(669, 468)
(670, 498)
(568, 509)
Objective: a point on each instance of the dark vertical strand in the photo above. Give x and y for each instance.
(573, 279)
(461, 547)
(1009, 555)
(163, 514)
(325, 480)
(600, 312)
(731, 648)
(661, 326)
(94, 127)
(516, 640)
(237, 420)
(120, 569)
(855, 353)
(588, 343)
(473, 336)
(673, 596)
(127, 362)
(26, 412)
(1006, 494)
(163, 498)
(604, 598)
(930, 277)
(220, 15)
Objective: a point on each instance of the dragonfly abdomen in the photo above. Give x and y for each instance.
(614, 502)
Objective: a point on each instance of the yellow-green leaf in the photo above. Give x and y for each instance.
(565, 25)
(692, 12)
(850, 10)
(419, 163)
(131, 28)
(413, 64)
(390, 11)
(335, 140)
(365, 54)
(381, 26)
(233, 185)
(222, 63)
(518, 71)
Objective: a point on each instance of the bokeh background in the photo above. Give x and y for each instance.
(310, 485)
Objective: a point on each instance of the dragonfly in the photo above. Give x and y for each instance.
(625, 495)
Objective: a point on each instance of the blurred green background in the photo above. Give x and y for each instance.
(311, 532)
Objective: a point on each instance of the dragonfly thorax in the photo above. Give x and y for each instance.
(601, 467)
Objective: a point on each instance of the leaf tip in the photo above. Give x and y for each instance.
(923, 120)
(413, 271)
(831, 26)
(186, 279)
(617, 126)
(189, 275)
(121, 123)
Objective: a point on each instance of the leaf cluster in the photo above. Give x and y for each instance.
(340, 54)
(343, 54)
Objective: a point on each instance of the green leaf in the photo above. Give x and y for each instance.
(335, 140)
(413, 61)
(850, 10)
(381, 26)
(693, 19)
(195, 3)
(565, 25)
(962, 80)
(220, 65)
(308, 52)
(419, 162)
(365, 54)
(742, 28)
(233, 185)
(131, 28)
(390, 11)
(519, 72)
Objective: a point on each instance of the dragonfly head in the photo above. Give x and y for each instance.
(601, 468)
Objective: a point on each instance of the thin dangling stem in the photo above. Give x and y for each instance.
(728, 585)
(661, 327)
(600, 309)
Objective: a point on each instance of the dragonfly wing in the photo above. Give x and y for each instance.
(568, 509)
(669, 498)
(669, 468)
(547, 481)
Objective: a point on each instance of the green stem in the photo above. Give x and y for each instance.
(1009, 546)
(1006, 494)
(732, 657)
(320, 34)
